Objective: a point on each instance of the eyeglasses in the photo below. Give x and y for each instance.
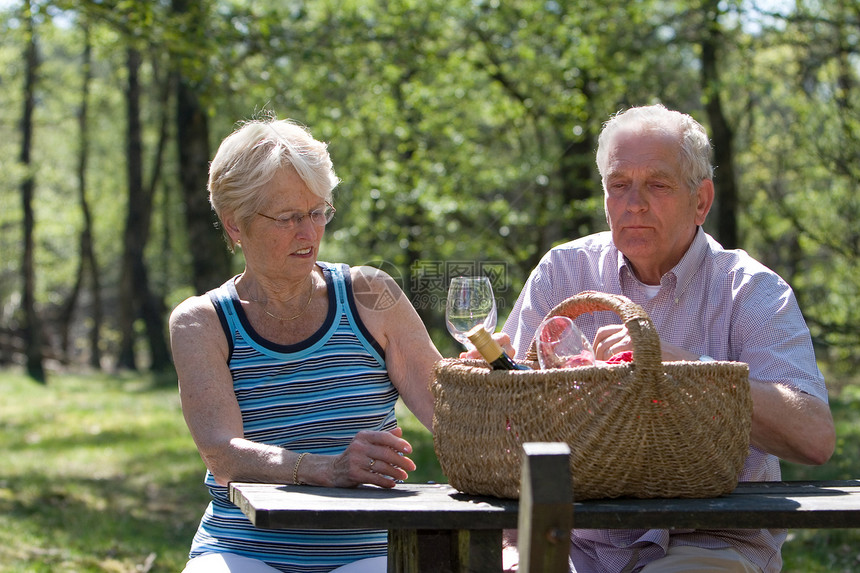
(318, 217)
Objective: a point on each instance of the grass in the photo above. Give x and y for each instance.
(833, 550)
(98, 474)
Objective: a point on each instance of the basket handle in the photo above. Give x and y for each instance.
(646, 343)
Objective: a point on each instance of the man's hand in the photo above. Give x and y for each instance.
(612, 339)
(504, 341)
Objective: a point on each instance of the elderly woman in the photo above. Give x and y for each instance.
(285, 375)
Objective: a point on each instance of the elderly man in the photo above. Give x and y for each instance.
(707, 303)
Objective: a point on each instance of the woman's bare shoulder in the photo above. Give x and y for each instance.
(193, 312)
(366, 279)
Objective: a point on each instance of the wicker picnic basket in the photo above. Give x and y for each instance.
(642, 429)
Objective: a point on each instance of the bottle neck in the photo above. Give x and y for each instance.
(485, 344)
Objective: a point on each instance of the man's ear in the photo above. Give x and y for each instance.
(704, 200)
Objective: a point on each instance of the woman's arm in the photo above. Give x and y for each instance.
(215, 421)
(206, 389)
(409, 352)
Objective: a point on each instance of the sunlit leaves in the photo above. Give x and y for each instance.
(450, 123)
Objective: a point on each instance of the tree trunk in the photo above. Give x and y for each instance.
(153, 309)
(87, 267)
(576, 169)
(210, 260)
(722, 135)
(136, 298)
(152, 312)
(88, 254)
(576, 172)
(134, 229)
(32, 324)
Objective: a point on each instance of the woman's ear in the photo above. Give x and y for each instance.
(231, 227)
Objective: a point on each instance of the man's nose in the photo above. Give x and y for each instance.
(636, 198)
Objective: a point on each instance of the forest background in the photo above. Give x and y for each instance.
(464, 132)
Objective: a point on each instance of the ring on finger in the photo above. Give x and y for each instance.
(372, 461)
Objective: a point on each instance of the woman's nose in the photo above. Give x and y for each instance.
(306, 227)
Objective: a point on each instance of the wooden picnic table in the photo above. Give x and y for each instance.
(433, 527)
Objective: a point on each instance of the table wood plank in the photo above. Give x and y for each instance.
(407, 506)
(806, 505)
(754, 505)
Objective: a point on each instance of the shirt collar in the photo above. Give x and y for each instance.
(686, 267)
(691, 262)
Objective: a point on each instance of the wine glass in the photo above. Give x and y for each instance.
(560, 344)
(470, 303)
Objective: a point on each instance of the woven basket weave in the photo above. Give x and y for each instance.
(641, 429)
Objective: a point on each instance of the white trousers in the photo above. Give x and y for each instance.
(232, 563)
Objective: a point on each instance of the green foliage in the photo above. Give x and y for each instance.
(843, 465)
(821, 551)
(824, 551)
(462, 130)
(99, 474)
(801, 172)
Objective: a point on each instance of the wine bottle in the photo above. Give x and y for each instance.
(491, 351)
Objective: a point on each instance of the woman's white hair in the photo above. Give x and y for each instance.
(695, 147)
(250, 157)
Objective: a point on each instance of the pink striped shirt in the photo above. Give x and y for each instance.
(714, 301)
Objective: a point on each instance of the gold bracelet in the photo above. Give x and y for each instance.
(296, 469)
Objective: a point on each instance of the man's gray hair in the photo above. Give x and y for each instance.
(695, 147)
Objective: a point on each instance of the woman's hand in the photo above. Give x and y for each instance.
(409, 352)
(377, 458)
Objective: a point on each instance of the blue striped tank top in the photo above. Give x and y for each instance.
(313, 396)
